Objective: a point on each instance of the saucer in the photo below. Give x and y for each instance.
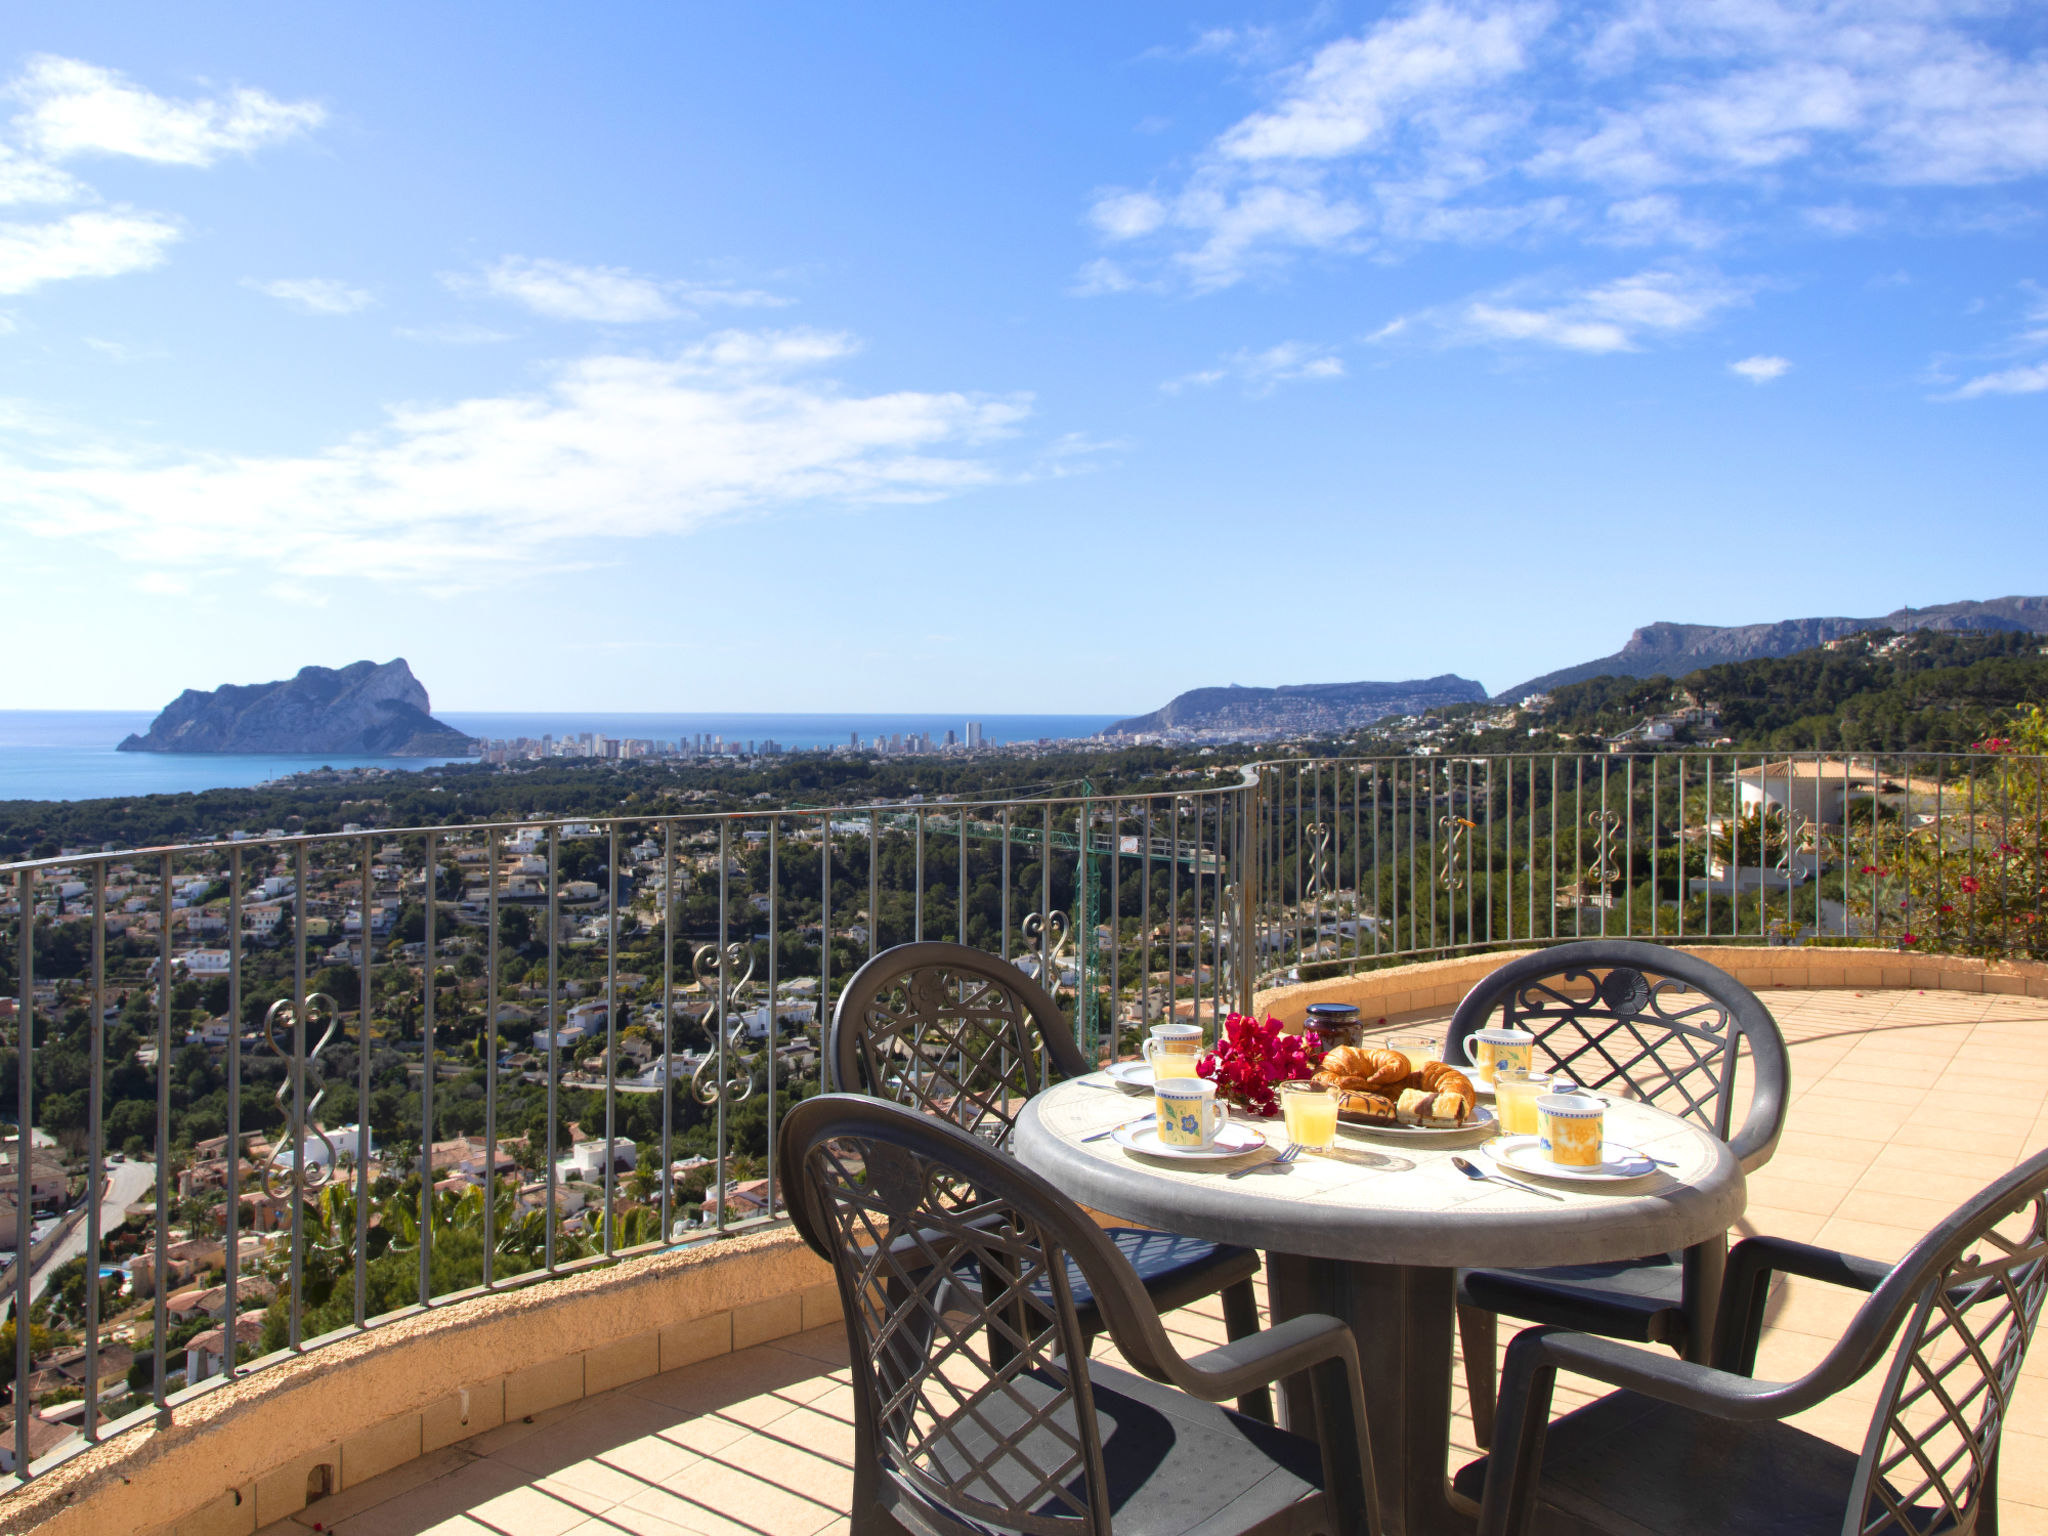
(1136, 1075)
(1233, 1140)
(1619, 1163)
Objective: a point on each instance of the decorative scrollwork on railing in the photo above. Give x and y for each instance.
(1318, 859)
(1052, 933)
(1603, 871)
(1455, 829)
(727, 1019)
(278, 1177)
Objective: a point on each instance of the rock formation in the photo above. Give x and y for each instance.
(1672, 650)
(1299, 707)
(362, 710)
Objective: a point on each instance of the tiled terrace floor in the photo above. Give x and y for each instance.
(760, 1443)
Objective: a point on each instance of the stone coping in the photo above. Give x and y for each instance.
(247, 1453)
(1434, 986)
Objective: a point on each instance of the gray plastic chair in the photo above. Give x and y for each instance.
(967, 1036)
(1661, 1026)
(976, 1406)
(1687, 1450)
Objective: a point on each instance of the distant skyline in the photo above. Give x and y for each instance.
(941, 360)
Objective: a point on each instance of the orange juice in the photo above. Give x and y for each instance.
(1310, 1114)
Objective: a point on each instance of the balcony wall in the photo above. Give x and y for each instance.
(238, 1456)
(1435, 985)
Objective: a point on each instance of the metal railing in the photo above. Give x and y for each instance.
(1375, 861)
(356, 1074)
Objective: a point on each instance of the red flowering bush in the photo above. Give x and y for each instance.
(1252, 1055)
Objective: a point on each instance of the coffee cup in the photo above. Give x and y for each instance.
(1173, 1050)
(1488, 1050)
(1571, 1128)
(1188, 1112)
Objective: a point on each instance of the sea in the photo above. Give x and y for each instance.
(69, 754)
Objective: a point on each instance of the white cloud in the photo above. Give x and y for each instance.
(23, 180)
(561, 290)
(71, 108)
(1761, 369)
(81, 245)
(1262, 371)
(1652, 122)
(1349, 96)
(2029, 379)
(316, 295)
(1618, 316)
(613, 448)
(1127, 215)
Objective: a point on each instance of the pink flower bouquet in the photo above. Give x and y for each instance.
(1253, 1055)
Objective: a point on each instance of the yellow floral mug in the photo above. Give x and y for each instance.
(1571, 1128)
(1189, 1113)
(1488, 1050)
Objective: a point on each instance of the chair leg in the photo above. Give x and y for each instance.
(1241, 1321)
(1477, 1338)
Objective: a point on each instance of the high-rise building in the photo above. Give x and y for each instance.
(950, 740)
(853, 741)
(974, 735)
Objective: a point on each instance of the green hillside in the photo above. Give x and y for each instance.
(1877, 690)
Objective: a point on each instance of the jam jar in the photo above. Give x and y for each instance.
(1329, 1025)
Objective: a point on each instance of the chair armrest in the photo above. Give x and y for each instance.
(1703, 1388)
(1745, 1284)
(1529, 1376)
(1260, 1359)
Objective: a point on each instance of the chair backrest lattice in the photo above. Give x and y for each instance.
(1946, 1397)
(952, 1032)
(969, 1359)
(1651, 1023)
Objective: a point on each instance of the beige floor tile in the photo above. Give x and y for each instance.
(650, 1458)
(529, 1511)
(1868, 1239)
(1785, 1191)
(707, 1434)
(727, 1379)
(1770, 1221)
(607, 1421)
(631, 1522)
(787, 1466)
(727, 1502)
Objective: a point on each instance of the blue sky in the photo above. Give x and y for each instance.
(979, 359)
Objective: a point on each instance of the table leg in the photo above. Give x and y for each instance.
(1703, 1266)
(1403, 1318)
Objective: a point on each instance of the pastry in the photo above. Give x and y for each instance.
(1362, 1069)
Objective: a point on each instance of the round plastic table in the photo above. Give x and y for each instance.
(1375, 1234)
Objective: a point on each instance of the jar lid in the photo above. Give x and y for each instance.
(1331, 1013)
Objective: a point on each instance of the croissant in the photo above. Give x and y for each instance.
(1378, 1067)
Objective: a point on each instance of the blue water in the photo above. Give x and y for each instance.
(69, 754)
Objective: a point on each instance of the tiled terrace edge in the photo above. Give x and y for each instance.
(242, 1455)
(1434, 985)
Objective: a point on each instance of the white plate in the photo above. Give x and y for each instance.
(1619, 1163)
(1132, 1074)
(1483, 1123)
(1234, 1140)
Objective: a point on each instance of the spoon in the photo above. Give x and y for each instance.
(1472, 1170)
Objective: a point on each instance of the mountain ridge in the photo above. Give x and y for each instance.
(361, 710)
(1673, 649)
(1299, 706)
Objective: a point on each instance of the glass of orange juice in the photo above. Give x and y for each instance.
(1310, 1114)
(1515, 1092)
(1420, 1050)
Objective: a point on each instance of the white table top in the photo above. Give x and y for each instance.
(1378, 1201)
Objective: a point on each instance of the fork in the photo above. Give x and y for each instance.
(1286, 1155)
